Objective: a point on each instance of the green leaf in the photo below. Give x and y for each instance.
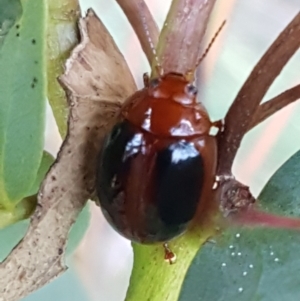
(78, 229)
(282, 193)
(253, 264)
(10, 11)
(47, 161)
(22, 210)
(22, 103)
(26, 207)
(10, 236)
(62, 36)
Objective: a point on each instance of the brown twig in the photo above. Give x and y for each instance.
(143, 24)
(274, 105)
(180, 39)
(238, 118)
(254, 216)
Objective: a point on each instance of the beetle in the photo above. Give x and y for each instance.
(158, 163)
(157, 166)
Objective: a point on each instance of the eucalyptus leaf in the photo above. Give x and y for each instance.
(62, 37)
(78, 229)
(10, 11)
(26, 207)
(253, 264)
(22, 103)
(22, 210)
(47, 161)
(10, 236)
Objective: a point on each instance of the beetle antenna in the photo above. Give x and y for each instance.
(158, 66)
(210, 44)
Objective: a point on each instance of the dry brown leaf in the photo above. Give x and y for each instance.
(98, 80)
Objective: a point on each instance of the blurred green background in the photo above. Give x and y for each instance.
(100, 267)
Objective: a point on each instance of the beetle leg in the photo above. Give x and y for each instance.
(220, 125)
(169, 255)
(146, 79)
